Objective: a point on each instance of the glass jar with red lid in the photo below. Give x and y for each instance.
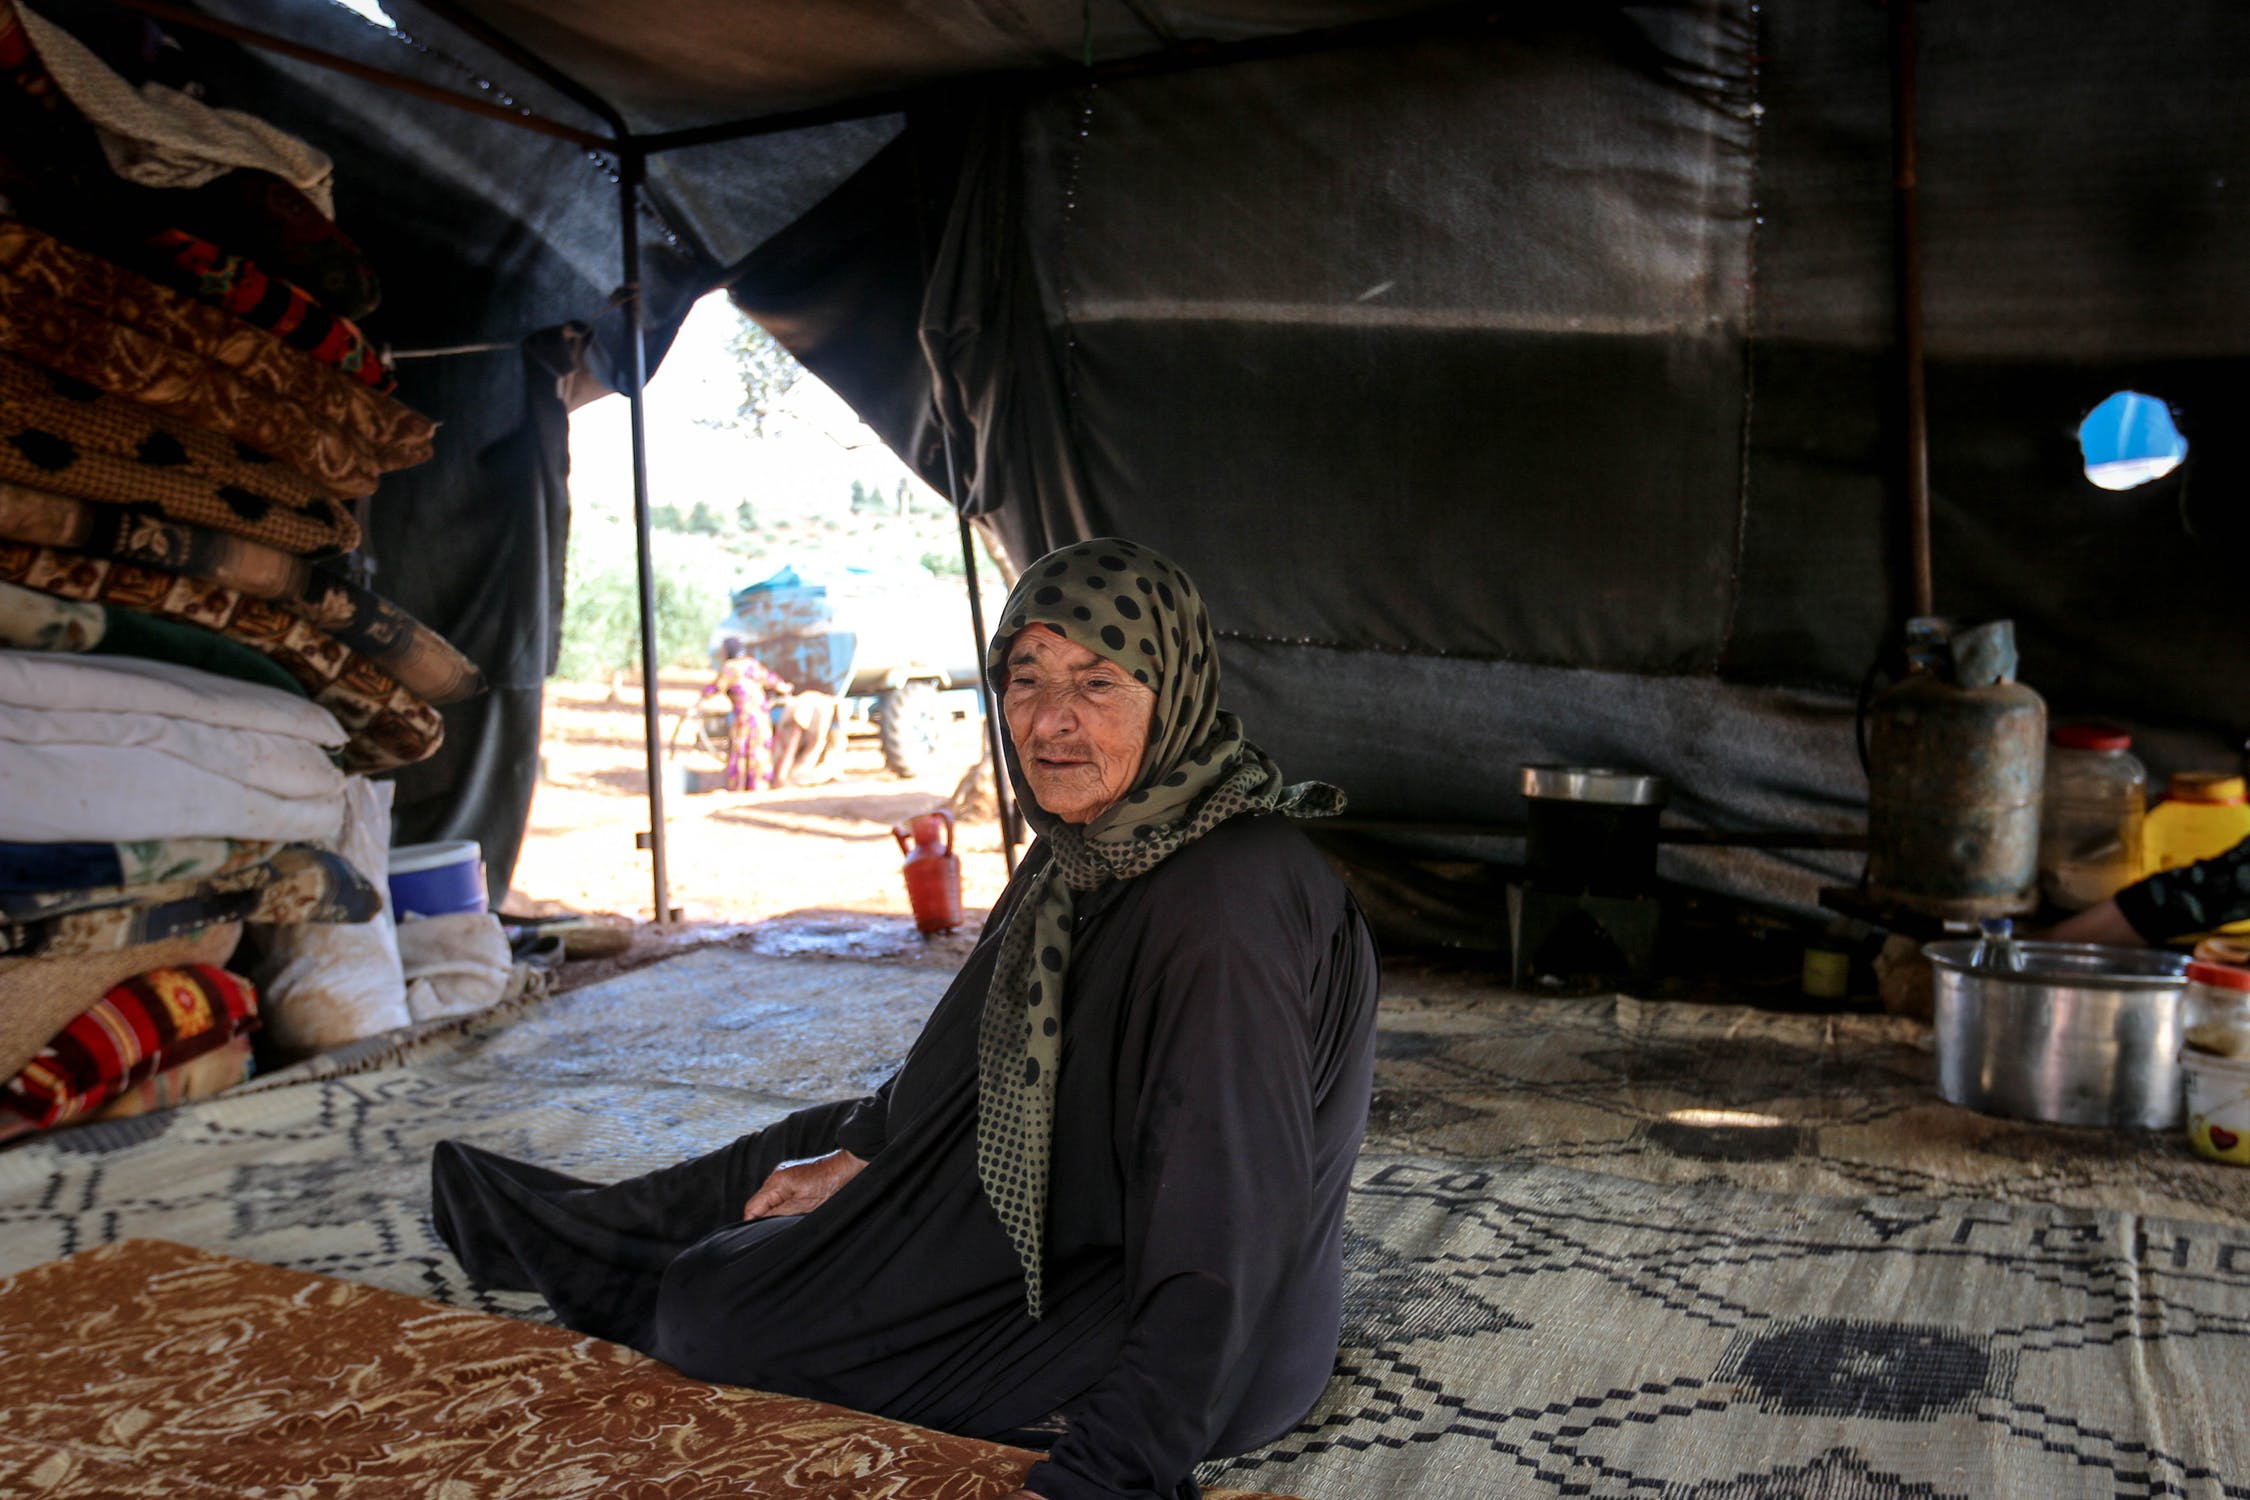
(2090, 815)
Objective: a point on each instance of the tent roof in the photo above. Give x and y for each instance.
(714, 60)
(821, 81)
(709, 63)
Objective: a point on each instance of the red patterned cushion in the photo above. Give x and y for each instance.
(151, 1022)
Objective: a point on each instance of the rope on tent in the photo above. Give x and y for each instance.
(391, 356)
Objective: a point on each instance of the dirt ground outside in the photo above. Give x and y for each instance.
(735, 857)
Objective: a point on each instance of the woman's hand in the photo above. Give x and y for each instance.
(799, 1187)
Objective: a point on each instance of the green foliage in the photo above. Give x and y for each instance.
(746, 517)
(869, 499)
(664, 518)
(768, 372)
(944, 562)
(703, 520)
(601, 627)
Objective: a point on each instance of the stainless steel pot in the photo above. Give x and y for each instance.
(2080, 1034)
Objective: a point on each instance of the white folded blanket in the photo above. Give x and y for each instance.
(123, 794)
(265, 762)
(118, 749)
(131, 684)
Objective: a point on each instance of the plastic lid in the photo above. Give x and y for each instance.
(2220, 949)
(2220, 976)
(2090, 737)
(2206, 786)
(413, 859)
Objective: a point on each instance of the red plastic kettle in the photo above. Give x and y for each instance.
(933, 874)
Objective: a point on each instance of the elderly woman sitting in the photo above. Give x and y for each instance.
(1101, 1204)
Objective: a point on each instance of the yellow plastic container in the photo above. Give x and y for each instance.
(2203, 814)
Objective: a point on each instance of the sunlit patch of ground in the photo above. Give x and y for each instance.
(823, 851)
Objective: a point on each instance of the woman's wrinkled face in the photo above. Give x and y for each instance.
(1079, 722)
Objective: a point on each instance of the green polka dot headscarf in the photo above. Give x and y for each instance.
(1124, 602)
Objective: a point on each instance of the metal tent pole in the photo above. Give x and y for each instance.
(1907, 220)
(631, 165)
(1003, 803)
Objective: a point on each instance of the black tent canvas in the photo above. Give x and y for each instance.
(1519, 385)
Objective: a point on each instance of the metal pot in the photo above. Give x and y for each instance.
(2079, 1034)
(1592, 829)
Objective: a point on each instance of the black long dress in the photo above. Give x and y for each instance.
(1217, 1053)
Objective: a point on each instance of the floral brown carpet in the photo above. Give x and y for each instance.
(147, 1368)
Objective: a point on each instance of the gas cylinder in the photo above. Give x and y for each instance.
(933, 872)
(1956, 757)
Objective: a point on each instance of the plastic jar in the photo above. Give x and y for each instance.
(2090, 816)
(2216, 994)
(2217, 1002)
(2218, 1106)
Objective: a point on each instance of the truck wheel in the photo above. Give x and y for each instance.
(908, 723)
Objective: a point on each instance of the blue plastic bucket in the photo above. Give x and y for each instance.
(436, 880)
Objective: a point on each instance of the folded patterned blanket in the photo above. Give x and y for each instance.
(40, 996)
(421, 659)
(44, 867)
(389, 725)
(52, 155)
(275, 862)
(67, 437)
(299, 884)
(32, 621)
(197, 268)
(139, 1028)
(101, 324)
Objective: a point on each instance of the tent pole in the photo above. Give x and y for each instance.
(1907, 219)
(1002, 803)
(630, 165)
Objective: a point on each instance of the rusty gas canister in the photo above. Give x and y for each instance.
(1956, 755)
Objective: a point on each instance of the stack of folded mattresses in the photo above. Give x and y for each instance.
(188, 415)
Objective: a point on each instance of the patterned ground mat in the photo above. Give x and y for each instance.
(1816, 1290)
(144, 1368)
(331, 1173)
(1514, 1329)
(1665, 1091)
